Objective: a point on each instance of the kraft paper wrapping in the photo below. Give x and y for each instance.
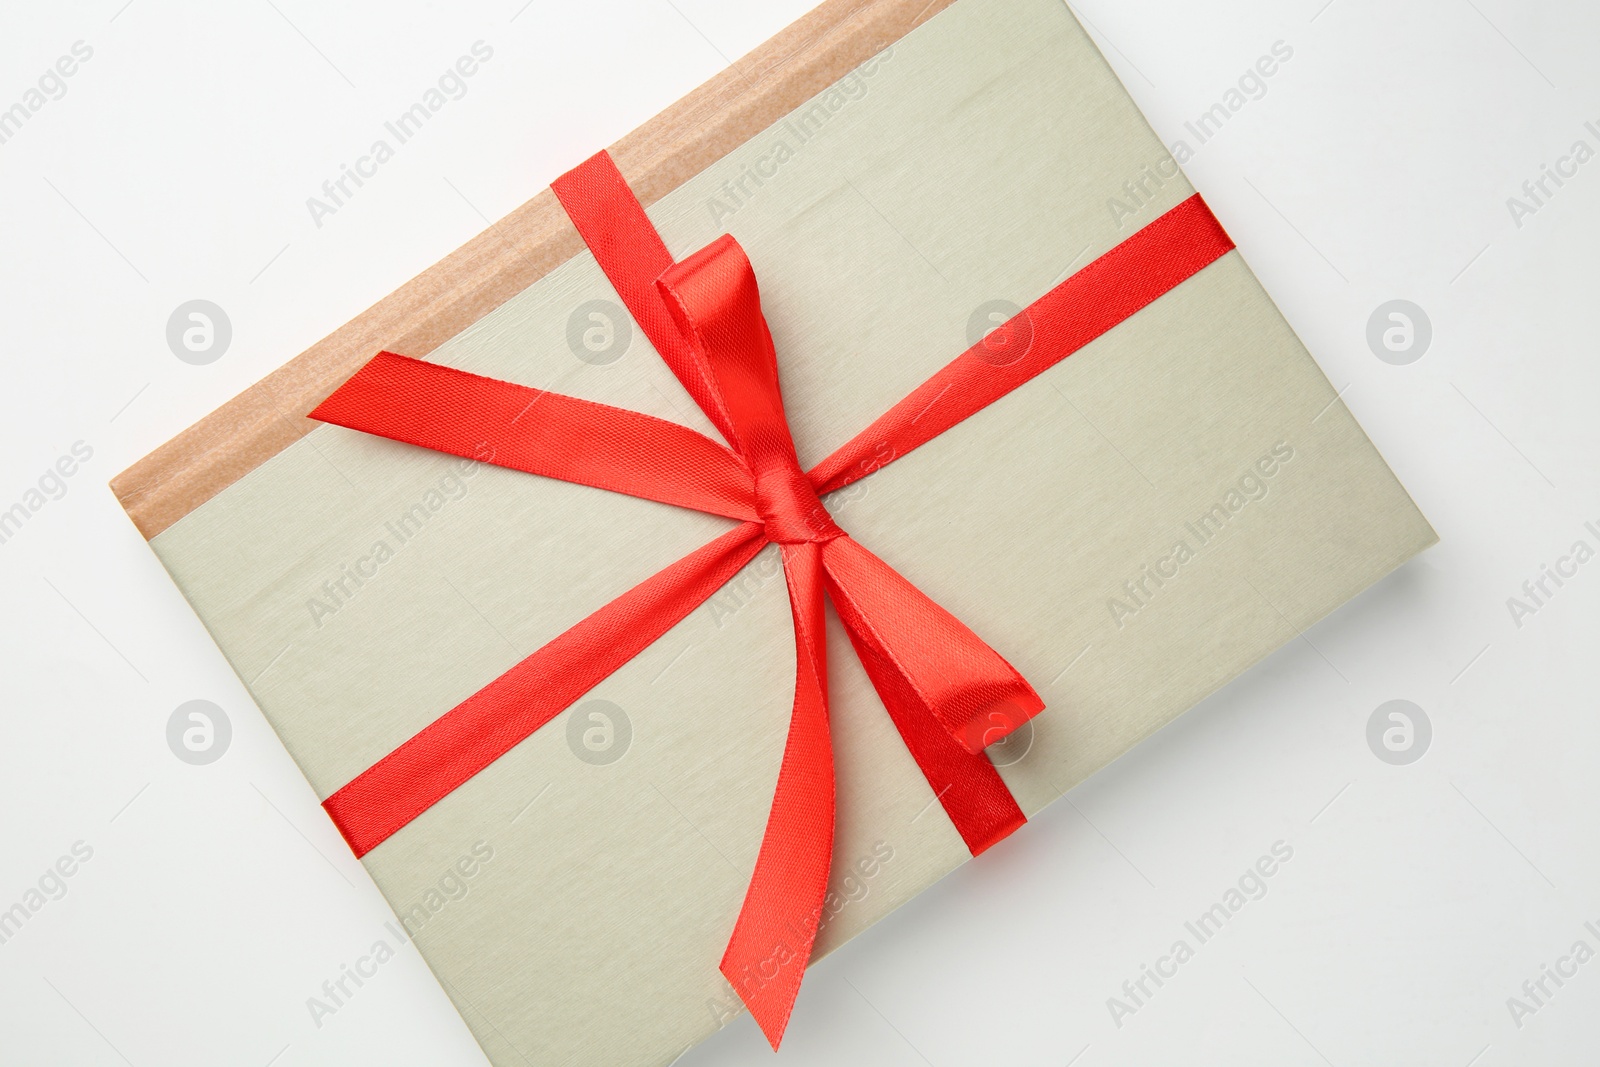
(1131, 529)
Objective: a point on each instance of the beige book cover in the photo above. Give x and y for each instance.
(1131, 529)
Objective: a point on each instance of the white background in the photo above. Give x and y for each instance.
(1376, 166)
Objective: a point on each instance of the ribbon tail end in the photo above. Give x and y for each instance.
(770, 1008)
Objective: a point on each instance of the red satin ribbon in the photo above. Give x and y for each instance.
(947, 692)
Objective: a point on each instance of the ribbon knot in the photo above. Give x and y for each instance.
(791, 512)
(948, 693)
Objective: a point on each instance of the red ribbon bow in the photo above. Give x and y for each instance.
(949, 694)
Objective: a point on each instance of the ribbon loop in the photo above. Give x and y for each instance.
(953, 676)
(716, 303)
